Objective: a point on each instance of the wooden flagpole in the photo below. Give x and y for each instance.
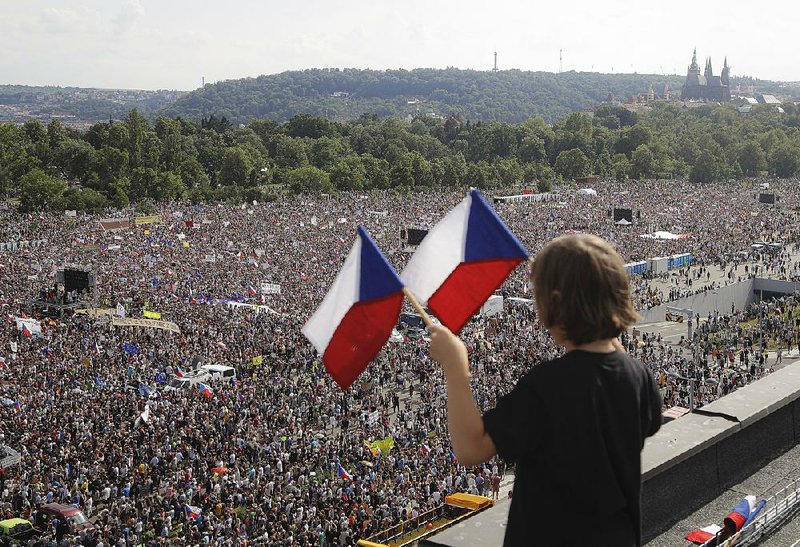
(420, 310)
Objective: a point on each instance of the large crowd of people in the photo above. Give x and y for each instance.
(279, 455)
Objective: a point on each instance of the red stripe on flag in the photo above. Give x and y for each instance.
(466, 289)
(359, 337)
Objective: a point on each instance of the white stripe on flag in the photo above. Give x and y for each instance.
(340, 298)
(439, 254)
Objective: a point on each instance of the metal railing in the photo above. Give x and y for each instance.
(778, 507)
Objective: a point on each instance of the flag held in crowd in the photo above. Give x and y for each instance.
(357, 315)
(130, 349)
(193, 512)
(343, 473)
(205, 390)
(462, 260)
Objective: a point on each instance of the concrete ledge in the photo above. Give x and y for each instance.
(693, 459)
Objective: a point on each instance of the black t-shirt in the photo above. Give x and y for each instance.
(575, 428)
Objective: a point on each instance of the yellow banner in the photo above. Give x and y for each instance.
(151, 219)
(185, 244)
(382, 447)
(258, 360)
(151, 314)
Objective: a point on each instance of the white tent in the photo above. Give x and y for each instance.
(587, 192)
(624, 222)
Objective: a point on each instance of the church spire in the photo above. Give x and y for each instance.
(694, 59)
(726, 71)
(709, 71)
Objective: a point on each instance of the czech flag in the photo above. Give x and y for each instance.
(192, 511)
(205, 390)
(343, 473)
(10, 318)
(26, 330)
(357, 315)
(704, 535)
(462, 260)
(744, 512)
(251, 290)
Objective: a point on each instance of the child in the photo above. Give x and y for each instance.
(574, 426)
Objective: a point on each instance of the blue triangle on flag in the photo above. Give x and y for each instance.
(377, 278)
(487, 236)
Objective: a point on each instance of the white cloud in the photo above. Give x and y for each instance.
(130, 14)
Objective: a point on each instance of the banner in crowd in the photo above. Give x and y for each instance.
(95, 312)
(71, 213)
(383, 446)
(151, 314)
(151, 323)
(115, 223)
(258, 360)
(150, 219)
(270, 288)
(33, 326)
(25, 244)
(257, 307)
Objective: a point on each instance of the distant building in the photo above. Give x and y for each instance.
(706, 86)
(767, 99)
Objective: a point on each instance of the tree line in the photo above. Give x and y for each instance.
(133, 160)
(345, 94)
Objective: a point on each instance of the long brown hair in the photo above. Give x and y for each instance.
(581, 285)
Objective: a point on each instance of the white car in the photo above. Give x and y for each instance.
(189, 379)
(219, 372)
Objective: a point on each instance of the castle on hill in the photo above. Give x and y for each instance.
(706, 86)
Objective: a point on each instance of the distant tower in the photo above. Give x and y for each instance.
(561, 61)
(651, 95)
(495, 62)
(726, 71)
(706, 86)
(204, 81)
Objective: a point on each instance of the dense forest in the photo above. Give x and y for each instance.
(115, 163)
(508, 96)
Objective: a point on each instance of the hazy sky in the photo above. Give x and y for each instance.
(171, 44)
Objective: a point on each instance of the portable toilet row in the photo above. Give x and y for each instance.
(636, 268)
(679, 261)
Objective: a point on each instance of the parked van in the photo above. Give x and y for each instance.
(16, 530)
(219, 372)
(69, 513)
(189, 379)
